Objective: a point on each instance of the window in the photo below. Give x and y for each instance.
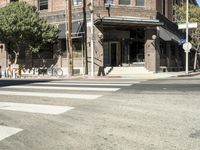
(124, 2)
(13, 1)
(139, 2)
(43, 4)
(163, 7)
(108, 2)
(77, 2)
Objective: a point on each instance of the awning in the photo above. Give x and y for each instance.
(127, 21)
(167, 35)
(77, 29)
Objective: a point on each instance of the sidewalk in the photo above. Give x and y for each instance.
(153, 75)
(132, 76)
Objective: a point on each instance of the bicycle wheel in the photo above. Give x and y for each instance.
(50, 72)
(59, 72)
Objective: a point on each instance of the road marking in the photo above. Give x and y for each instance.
(65, 88)
(86, 84)
(51, 95)
(8, 131)
(34, 108)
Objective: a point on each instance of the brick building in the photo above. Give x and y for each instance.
(127, 33)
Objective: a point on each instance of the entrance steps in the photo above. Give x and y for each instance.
(118, 71)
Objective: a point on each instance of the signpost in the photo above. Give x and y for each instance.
(187, 45)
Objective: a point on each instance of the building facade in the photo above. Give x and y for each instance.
(126, 33)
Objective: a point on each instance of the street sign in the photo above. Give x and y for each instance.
(190, 25)
(187, 46)
(181, 41)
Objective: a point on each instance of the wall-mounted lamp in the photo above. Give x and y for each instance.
(100, 35)
(90, 7)
(154, 40)
(1, 48)
(154, 37)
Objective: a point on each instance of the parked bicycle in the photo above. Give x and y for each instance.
(54, 71)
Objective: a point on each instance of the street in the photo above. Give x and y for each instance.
(100, 114)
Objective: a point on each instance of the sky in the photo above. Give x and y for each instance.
(198, 2)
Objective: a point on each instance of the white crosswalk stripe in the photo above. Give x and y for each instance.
(6, 132)
(34, 108)
(51, 90)
(65, 88)
(51, 95)
(85, 84)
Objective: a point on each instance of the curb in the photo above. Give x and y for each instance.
(106, 77)
(189, 75)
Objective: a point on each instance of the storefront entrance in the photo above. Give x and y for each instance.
(127, 51)
(133, 48)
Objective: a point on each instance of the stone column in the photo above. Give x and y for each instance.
(98, 51)
(152, 48)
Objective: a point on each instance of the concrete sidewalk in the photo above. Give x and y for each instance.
(133, 76)
(153, 75)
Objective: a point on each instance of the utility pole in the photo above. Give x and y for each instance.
(92, 37)
(85, 38)
(70, 51)
(66, 27)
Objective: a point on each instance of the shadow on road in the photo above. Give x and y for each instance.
(11, 82)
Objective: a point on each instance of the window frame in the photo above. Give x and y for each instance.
(124, 4)
(12, 1)
(77, 5)
(39, 5)
(136, 5)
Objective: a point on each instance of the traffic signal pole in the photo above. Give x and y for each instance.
(187, 32)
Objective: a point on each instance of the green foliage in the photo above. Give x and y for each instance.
(21, 27)
(194, 16)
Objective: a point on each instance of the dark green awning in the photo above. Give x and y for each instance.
(167, 35)
(127, 21)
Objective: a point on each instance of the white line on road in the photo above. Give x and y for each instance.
(84, 84)
(51, 95)
(65, 88)
(34, 108)
(7, 132)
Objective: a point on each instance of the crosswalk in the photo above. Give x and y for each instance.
(73, 90)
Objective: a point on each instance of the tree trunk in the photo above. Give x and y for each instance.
(195, 59)
(14, 64)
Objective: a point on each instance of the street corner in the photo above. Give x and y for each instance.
(191, 74)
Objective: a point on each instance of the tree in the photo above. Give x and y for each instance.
(22, 28)
(194, 16)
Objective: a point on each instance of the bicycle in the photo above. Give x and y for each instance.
(54, 71)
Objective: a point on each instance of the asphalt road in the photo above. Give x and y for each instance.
(161, 114)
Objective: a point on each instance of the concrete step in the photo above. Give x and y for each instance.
(126, 70)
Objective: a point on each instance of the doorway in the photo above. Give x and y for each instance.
(111, 51)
